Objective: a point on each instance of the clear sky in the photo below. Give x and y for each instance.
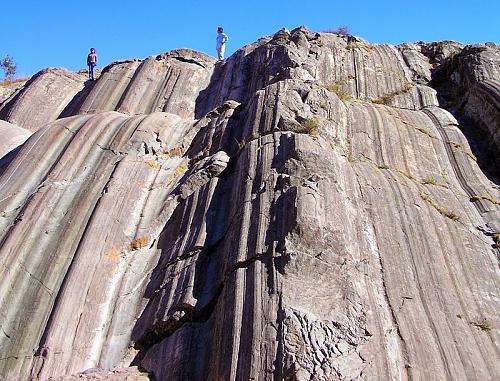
(57, 33)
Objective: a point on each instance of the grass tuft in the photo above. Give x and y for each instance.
(138, 243)
(337, 87)
(180, 169)
(174, 152)
(483, 324)
(152, 163)
(352, 46)
(10, 82)
(387, 98)
(309, 126)
(487, 198)
(426, 132)
(383, 100)
(429, 180)
(444, 212)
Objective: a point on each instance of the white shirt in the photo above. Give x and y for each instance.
(221, 39)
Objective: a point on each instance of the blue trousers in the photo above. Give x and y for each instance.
(91, 71)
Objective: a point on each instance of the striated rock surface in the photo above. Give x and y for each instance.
(309, 209)
(47, 92)
(12, 137)
(8, 88)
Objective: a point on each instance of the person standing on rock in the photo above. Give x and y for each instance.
(221, 43)
(91, 62)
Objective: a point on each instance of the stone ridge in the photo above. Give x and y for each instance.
(304, 210)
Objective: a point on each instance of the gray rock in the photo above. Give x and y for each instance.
(48, 92)
(12, 137)
(305, 210)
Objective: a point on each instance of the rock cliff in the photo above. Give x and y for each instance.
(314, 208)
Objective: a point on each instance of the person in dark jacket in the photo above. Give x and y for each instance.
(91, 62)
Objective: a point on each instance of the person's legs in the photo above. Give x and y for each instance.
(218, 52)
(221, 52)
(92, 71)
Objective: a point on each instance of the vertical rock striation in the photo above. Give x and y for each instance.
(305, 210)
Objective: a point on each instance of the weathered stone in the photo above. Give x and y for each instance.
(8, 88)
(47, 92)
(12, 137)
(304, 210)
(119, 374)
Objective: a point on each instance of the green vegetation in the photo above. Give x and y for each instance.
(152, 163)
(483, 324)
(387, 98)
(343, 30)
(487, 198)
(460, 148)
(472, 156)
(337, 87)
(9, 67)
(407, 87)
(426, 132)
(429, 180)
(444, 212)
(353, 45)
(383, 100)
(9, 82)
(309, 126)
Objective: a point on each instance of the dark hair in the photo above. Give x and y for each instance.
(220, 29)
(92, 49)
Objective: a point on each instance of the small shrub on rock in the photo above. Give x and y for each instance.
(309, 126)
(9, 67)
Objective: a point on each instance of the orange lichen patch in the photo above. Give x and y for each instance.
(174, 152)
(114, 255)
(137, 243)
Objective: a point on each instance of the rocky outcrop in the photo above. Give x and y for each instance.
(47, 92)
(12, 137)
(9, 87)
(469, 85)
(305, 210)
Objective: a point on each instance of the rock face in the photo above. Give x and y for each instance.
(305, 210)
(12, 137)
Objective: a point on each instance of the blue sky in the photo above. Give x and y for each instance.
(39, 34)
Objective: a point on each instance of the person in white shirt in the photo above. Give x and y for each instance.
(221, 43)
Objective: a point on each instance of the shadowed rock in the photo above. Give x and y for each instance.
(304, 210)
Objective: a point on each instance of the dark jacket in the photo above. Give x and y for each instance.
(92, 59)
